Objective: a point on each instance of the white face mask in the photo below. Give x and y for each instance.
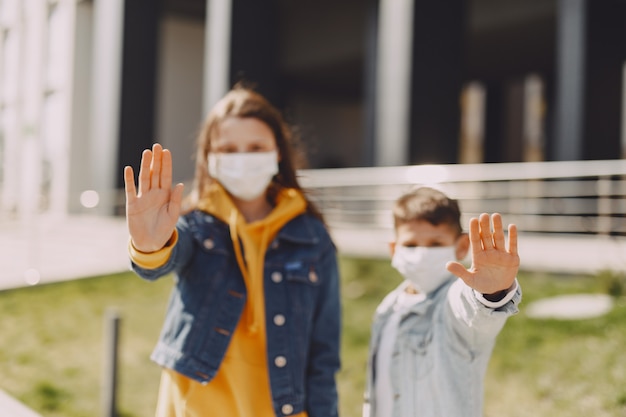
(424, 267)
(245, 175)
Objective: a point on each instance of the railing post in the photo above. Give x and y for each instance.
(109, 382)
(603, 187)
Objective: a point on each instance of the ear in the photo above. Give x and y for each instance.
(392, 247)
(462, 246)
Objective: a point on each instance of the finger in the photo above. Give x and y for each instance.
(144, 171)
(485, 231)
(460, 271)
(155, 166)
(129, 184)
(498, 231)
(166, 170)
(513, 239)
(176, 200)
(474, 235)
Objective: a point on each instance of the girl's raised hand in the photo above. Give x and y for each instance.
(153, 210)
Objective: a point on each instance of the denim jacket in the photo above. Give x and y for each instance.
(301, 285)
(441, 352)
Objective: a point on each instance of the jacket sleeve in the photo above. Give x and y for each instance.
(323, 361)
(169, 259)
(471, 322)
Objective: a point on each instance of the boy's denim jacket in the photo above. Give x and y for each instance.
(440, 356)
(301, 285)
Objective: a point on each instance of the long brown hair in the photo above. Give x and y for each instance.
(243, 102)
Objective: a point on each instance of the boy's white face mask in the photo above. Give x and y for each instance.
(245, 175)
(424, 267)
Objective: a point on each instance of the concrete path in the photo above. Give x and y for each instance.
(571, 307)
(48, 249)
(10, 407)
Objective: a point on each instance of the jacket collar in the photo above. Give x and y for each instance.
(299, 230)
(388, 302)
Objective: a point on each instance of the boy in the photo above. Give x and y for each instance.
(432, 336)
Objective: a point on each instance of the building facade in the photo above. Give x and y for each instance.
(86, 85)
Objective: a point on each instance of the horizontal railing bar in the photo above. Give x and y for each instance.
(436, 174)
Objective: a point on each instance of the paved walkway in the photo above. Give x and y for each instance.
(10, 407)
(50, 249)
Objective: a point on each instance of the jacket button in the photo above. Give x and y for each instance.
(277, 277)
(279, 319)
(208, 243)
(274, 244)
(312, 276)
(280, 361)
(287, 409)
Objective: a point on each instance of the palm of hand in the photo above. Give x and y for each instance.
(493, 270)
(149, 219)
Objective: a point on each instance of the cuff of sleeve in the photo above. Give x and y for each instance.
(497, 304)
(152, 260)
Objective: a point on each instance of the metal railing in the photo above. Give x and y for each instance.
(572, 197)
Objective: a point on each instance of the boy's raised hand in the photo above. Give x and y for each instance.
(494, 264)
(152, 212)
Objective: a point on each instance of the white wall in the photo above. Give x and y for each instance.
(37, 80)
(179, 109)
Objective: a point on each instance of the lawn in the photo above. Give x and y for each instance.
(52, 344)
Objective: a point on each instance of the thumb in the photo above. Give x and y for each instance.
(459, 270)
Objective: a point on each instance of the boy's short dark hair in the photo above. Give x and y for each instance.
(429, 204)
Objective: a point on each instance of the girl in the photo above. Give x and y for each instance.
(252, 327)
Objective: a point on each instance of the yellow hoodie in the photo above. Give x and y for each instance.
(242, 383)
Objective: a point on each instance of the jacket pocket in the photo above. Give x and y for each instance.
(302, 281)
(211, 236)
(419, 348)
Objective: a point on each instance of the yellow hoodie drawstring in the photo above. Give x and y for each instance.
(234, 236)
(255, 311)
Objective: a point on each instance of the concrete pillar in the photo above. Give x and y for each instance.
(393, 81)
(58, 104)
(217, 51)
(10, 57)
(106, 98)
(79, 165)
(570, 69)
(31, 85)
(534, 118)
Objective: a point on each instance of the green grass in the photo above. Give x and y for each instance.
(51, 346)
